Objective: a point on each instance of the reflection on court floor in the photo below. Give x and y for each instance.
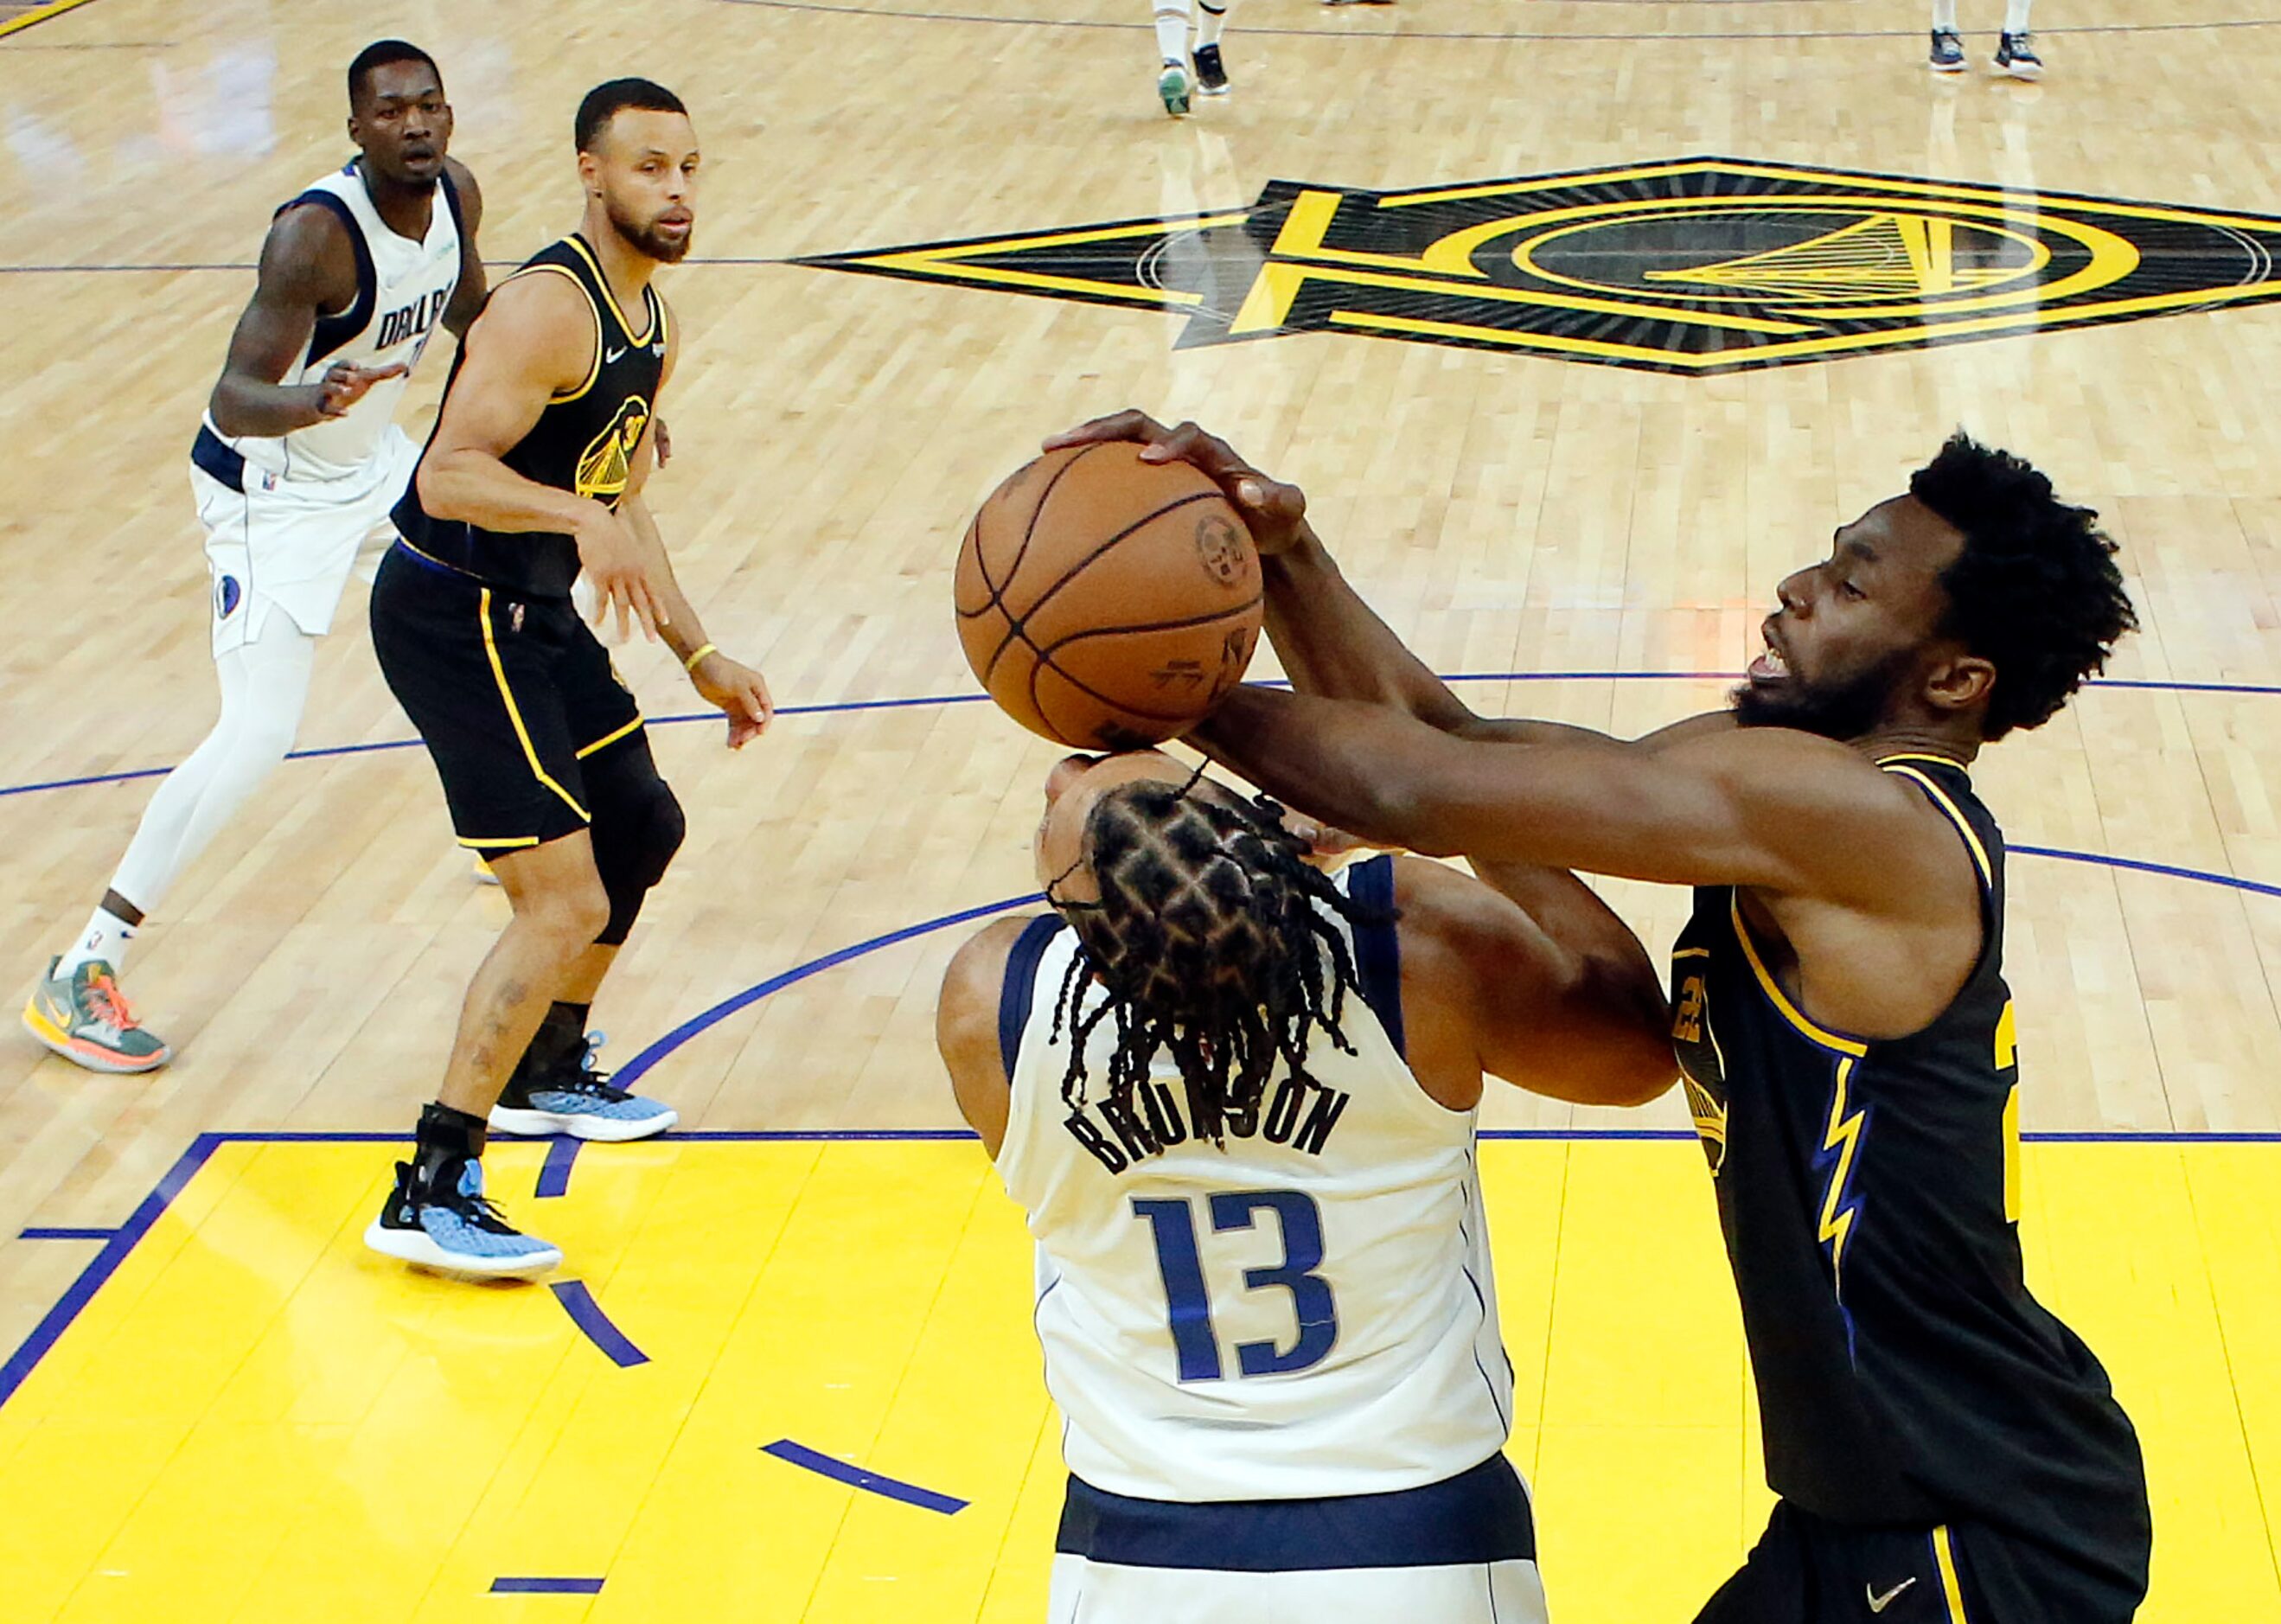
(783, 1380)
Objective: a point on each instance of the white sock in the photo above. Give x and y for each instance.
(1172, 32)
(2015, 16)
(265, 683)
(1944, 14)
(1208, 24)
(105, 938)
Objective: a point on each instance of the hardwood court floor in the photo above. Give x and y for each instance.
(1597, 528)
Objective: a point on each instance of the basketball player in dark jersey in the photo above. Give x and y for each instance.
(1945, 1447)
(534, 473)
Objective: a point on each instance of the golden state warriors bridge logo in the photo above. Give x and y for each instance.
(1700, 265)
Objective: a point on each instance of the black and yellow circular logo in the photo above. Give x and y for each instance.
(1694, 266)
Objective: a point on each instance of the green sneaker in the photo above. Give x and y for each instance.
(84, 1018)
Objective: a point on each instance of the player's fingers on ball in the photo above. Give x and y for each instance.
(1130, 424)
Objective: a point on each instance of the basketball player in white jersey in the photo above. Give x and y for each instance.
(298, 460)
(1236, 1098)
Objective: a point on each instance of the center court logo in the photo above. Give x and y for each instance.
(1698, 265)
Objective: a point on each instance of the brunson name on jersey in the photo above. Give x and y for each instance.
(1119, 1136)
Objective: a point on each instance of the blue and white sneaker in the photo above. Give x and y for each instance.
(576, 1098)
(2016, 54)
(1947, 55)
(449, 1226)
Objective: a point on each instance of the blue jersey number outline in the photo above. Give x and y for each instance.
(1179, 1263)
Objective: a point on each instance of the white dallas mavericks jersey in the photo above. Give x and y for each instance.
(403, 289)
(1306, 1312)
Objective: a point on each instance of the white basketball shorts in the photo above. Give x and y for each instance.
(1459, 1551)
(283, 545)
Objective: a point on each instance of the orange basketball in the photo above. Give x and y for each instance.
(1105, 602)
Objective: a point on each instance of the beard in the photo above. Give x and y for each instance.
(1842, 710)
(645, 237)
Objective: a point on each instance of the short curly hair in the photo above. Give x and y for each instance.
(2035, 591)
(1213, 940)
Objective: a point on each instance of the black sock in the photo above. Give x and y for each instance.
(445, 1139)
(559, 1039)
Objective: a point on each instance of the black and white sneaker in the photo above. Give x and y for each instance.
(1947, 55)
(1211, 73)
(447, 1225)
(2016, 54)
(577, 1098)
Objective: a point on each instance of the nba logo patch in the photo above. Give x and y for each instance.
(227, 595)
(515, 617)
(269, 482)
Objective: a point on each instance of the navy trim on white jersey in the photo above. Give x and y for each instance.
(1021, 981)
(1378, 946)
(218, 460)
(334, 331)
(1478, 1517)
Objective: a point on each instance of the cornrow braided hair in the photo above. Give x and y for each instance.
(1209, 943)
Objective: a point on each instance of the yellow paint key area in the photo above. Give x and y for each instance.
(255, 1419)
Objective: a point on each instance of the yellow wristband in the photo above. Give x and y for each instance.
(690, 664)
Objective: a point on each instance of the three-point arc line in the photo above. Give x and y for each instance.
(587, 1315)
(855, 1477)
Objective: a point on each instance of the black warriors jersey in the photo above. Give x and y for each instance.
(583, 442)
(1869, 1196)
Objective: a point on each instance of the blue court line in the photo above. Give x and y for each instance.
(587, 1315)
(855, 1477)
(554, 1173)
(920, 702)
(2166, 870)
(546, 1587)
(103, 1266)
(629, 1073)
(50, 1233)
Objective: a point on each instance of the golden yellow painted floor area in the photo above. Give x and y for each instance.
(252, 1418)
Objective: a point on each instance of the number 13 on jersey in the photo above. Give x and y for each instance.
(1187, 1299)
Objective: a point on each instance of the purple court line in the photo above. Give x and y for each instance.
(546, 1587)
(2169, 870)
(920, 702)
(103, 1266)
(587, 1315)
(855, 1477)
(554, 1173)
(42, 1232)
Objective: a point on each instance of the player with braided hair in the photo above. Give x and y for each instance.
(1236, 1097)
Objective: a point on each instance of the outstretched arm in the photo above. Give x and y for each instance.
(1770, 807)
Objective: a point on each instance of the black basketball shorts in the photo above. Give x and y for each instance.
(1808, 1570)
(511, 695)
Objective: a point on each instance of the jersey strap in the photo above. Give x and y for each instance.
(451, 202)
(1021, 983)
(334, 331)
(1378, 946)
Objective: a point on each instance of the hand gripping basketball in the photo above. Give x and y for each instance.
(1107, 599)
(1274, 512)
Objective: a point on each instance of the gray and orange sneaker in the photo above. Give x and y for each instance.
(84, 1018)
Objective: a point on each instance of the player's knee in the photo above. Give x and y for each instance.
(577, 913)
(633, 852)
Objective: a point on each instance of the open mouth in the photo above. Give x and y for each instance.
(1770, 667)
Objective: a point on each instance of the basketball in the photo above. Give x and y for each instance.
(1105, 602)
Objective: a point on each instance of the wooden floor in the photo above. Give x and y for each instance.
(1509, 514)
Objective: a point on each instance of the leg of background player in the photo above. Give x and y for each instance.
(265, 686)
(2016, 52)
(1173, 80)
(1211, 72)
(1947, 44)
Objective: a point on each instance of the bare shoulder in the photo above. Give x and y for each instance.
(1450, 918)
(307, 252)
(463, 182)
(539, 325)
(973, 980)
